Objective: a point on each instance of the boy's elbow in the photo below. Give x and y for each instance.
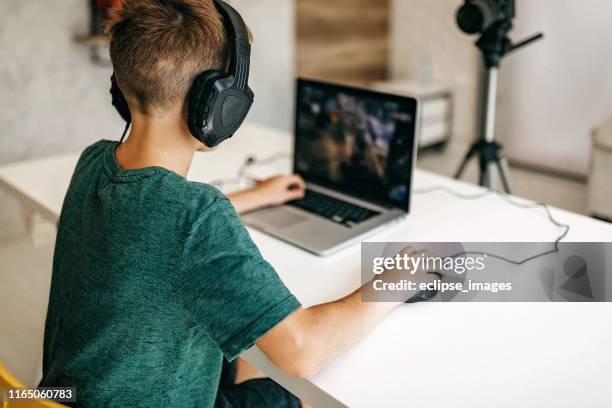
(300, 367)
(294, 351)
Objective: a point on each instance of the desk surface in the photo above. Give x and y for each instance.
(439, 355)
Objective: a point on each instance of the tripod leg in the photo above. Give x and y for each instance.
(504, 174)
(484, 179)
(487, 176)
(465, 162)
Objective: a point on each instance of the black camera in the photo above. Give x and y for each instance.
(476, 16)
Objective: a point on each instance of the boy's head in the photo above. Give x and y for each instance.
(158, 47)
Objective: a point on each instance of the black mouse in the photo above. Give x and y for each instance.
(423, 296)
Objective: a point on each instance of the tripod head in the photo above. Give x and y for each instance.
(492, 19)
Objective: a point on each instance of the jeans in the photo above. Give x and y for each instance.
(259, 393)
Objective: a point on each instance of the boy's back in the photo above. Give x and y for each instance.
(150, 280)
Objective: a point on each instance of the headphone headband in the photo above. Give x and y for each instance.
(240, 48)
(238, 25)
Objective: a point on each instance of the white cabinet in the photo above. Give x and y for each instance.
(436, 108)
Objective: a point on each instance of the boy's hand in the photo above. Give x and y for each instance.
(280, 189)
(273, 191)
(395, 275)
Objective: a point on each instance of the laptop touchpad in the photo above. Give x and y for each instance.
(279, 218)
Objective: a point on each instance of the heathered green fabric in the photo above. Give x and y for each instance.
(154, 279)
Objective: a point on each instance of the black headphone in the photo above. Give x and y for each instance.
(218, 101)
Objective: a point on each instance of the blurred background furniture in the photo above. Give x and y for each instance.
(436, 125)
(600, 173)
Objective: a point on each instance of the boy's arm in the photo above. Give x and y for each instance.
(273, 191)
(309, 339)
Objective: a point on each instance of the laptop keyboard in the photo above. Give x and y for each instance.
(333, 209)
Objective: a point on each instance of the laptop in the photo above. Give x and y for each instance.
(356, 150)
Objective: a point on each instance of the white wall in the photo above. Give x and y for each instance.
(53, 99)
(554, 92)
(273, 69)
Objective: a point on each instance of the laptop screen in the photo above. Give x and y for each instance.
(356, 141)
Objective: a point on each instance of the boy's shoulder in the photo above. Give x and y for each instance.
(95, 150)
(197, 202)
(201, 196)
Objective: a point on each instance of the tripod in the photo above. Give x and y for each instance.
(494, 45)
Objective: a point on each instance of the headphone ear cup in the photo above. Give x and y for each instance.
(201, 104)
(119, 101)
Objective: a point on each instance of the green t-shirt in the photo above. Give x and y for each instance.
(155, 279)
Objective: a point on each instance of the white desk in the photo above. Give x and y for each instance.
(436, 355)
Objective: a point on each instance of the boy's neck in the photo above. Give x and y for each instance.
(158, 141)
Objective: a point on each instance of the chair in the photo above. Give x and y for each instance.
(7, 380)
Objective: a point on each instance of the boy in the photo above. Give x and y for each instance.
(155, 279)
